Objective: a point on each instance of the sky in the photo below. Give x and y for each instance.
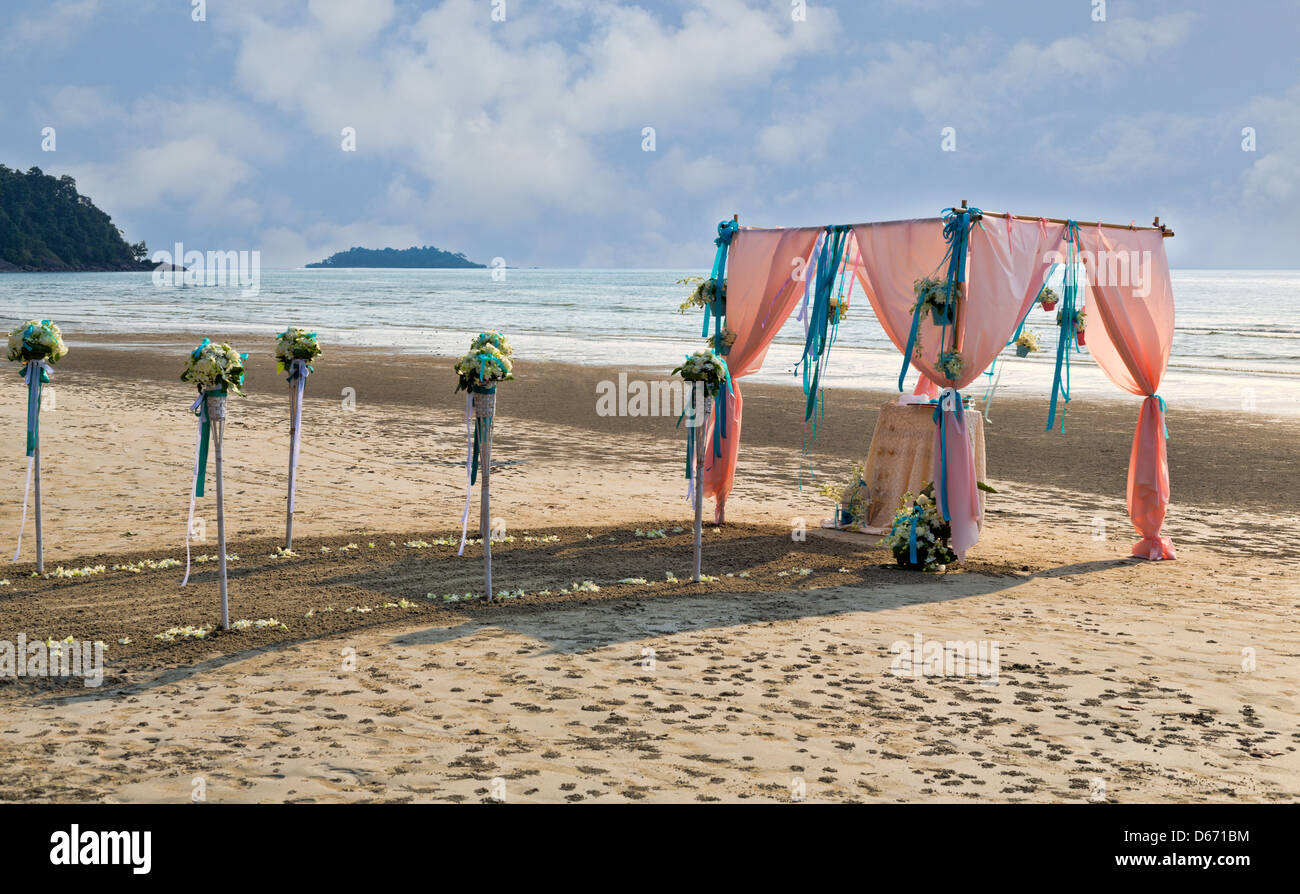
(518, 128)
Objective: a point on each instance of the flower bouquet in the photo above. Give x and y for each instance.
(295, 344)
(852, 500)
(487, 363)
(37, 340)
(706, 293)
(950, 363)
(838, 308)
(728, 339)
(918, 537)
(1026, 343)
(706, 367)
(215, 368)
(1047, 298)
(932, 296)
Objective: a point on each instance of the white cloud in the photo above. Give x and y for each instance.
(503, 121)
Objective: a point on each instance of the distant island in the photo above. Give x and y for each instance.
(428, 256)
(46, 226)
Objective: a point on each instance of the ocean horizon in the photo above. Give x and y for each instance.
(1236, 342)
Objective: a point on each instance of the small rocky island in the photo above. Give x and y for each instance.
(415, 256)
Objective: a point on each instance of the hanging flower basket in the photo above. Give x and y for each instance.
(1026, 343)
(1048, 298)
(941, 316)
(932, 294)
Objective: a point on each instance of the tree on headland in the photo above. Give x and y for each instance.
(45, 224)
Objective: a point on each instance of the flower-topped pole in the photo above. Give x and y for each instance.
(37, 344)
(478, 372)
(294, 351)
(216, 371)
(705, 373)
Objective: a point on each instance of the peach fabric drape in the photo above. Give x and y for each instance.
(1130, 340)
(761, 294)
(1005, 268)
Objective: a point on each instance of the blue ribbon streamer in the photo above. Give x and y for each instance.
(1069, 325)
(818, 341)
(941, 420)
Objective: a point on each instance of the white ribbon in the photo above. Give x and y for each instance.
(469, 459)
(32, 373)
(200, 407)
(298, 373)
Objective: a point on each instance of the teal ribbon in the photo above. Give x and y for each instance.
(911, 537)
(726, 230)
(1069, 325)
(480, 430)
(1163, 410)
(200, 409)
(36, 374)
(818, 341)
(941, 420)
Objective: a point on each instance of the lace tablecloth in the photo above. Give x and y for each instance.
(901, 457)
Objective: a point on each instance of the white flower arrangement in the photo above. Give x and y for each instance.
(932, 532)
(706, 367)
(931, 295)
(215, 367)
(706, 293)
(295, 344)
(853, 498)
(487, 363)
(838, 308)
(37, 340)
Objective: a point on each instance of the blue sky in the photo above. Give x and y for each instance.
(523, 138)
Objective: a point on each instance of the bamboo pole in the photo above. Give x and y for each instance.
(293, 433)
(700, 417)
(36, 470)
(485, 504)
(1155, 225)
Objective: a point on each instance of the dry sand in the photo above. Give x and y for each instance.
(1119, 679)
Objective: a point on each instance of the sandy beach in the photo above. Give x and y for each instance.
(608, 675)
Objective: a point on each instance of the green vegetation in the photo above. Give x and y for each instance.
(428, 256)
(46, 225)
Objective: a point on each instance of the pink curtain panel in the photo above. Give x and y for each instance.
(762, 292)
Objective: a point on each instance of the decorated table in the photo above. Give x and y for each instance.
(901, 458)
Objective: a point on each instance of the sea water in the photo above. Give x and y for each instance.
(1236, 343)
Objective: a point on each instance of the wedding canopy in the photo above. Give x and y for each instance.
(995, 267)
